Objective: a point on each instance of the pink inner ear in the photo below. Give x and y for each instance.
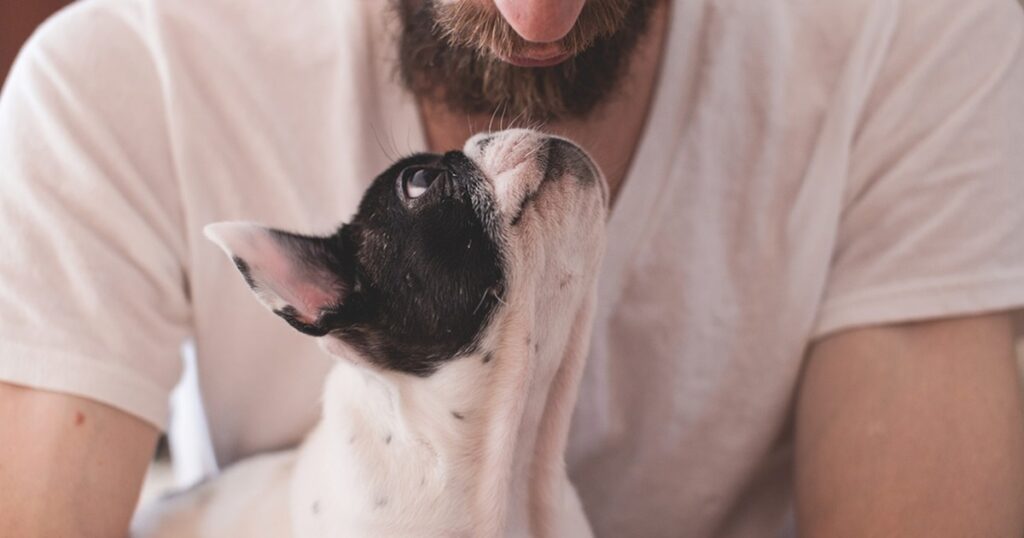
(307, 291)
(280, 278)
(308, 297)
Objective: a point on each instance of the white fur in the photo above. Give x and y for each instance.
(474, 450)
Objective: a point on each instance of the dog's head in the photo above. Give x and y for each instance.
(437, 246)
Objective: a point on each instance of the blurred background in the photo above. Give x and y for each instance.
(18, 19)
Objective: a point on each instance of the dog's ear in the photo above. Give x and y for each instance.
(299, 278)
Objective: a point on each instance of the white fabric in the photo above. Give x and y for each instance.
(807, 167)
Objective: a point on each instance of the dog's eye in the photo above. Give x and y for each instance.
(416, 180)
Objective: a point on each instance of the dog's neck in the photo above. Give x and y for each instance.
(485, 433)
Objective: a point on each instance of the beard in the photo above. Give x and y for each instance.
(450, 54)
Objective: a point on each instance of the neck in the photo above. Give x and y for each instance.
(476, 447)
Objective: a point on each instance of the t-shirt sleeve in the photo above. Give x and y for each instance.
(93, 296)
(933, 219)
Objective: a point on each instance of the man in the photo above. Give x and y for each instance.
(815, 245)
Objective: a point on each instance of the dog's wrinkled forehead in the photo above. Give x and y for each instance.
(414, 279)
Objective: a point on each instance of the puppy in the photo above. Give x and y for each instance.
(459, 302)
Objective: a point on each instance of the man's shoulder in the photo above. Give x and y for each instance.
(813, 44)
(854, 13)
(90, 30)
(187, 34)
(896, 19)
(841, 23)
(93, 56)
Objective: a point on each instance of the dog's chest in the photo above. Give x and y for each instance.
(389, 457)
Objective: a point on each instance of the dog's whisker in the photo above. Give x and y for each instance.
(510, 123)
(498, 297)
(490, 122)
(501, 118)
(481, 303)
(376, 138)
(519, 117)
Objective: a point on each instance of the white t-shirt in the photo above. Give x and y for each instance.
(807, 167)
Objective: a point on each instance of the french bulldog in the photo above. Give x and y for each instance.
(458, 302)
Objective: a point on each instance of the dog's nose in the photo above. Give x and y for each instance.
(477, 144)
(483, 141)
(511, 161)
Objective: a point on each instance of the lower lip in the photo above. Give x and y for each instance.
(526, 61)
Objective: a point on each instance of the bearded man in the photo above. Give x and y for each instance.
(815, 244)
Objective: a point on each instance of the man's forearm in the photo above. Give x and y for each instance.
(912, 431)
(68, 466)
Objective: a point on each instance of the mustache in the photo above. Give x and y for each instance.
(483, 28)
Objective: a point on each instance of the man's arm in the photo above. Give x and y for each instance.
(68, 466)
(912, 430)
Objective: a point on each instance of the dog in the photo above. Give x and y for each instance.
(458, 302)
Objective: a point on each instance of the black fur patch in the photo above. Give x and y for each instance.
(244, 269)
(291, 315)
(419, 278)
